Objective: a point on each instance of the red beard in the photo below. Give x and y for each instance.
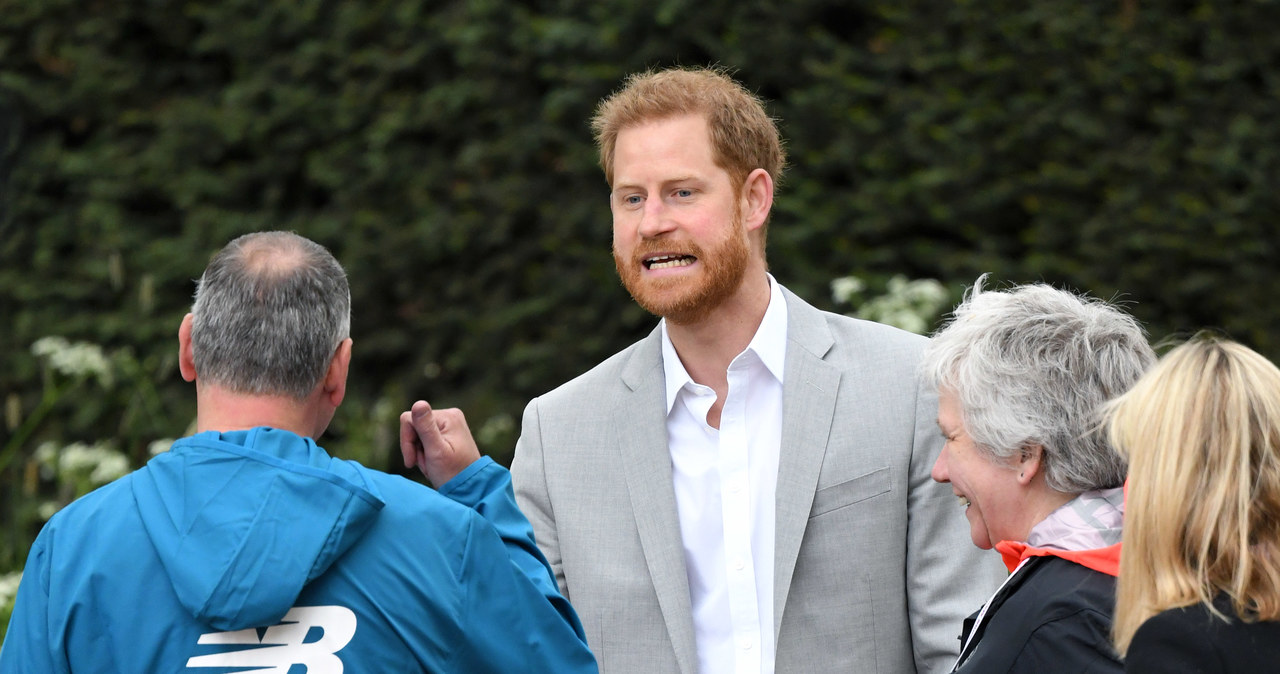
(685, 301)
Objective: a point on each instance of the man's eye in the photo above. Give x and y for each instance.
(631, 200)
(684, 194)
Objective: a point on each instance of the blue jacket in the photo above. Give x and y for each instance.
(255, 550)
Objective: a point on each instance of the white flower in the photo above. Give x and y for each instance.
(927, 292)
(45, 346)
(9, 587)
(844, 289)
(80, 359)
(99, 462)
(48, 509)
(78, 457)
(47, 452)
(46, 456)
(906, 304)
(111, 466)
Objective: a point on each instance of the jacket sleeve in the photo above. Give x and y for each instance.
(32, 642)
(485, 487)
(1078, 643)
(507, 623)
(948, 577)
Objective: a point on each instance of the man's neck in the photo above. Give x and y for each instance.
(221, 410)
(708, 346)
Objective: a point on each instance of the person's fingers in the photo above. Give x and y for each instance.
(410, 445)
(426, 424)
(454, 431)
(451, 422)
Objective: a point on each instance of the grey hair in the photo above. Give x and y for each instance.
(1033, 365)
(270, 310)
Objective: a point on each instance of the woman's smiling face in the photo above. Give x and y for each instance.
(988, 490)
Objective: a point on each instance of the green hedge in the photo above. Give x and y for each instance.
(441, 150)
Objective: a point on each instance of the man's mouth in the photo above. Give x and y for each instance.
(668, 261)
(964, 500)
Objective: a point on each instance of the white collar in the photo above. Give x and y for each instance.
(769, 344)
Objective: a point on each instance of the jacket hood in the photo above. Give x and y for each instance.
(1086, 530)
(243, 520)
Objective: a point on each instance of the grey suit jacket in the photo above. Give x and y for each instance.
(874, 568)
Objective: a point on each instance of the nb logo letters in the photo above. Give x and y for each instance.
(282, 647)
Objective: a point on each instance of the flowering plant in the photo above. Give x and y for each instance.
(912, 305)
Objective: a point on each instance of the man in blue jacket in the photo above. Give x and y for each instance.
(246, 547)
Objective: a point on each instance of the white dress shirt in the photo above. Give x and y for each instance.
(724, 485)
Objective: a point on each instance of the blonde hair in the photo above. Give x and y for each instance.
(743, 136)
(1202, 434)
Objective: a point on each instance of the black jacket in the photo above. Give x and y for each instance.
(1192, 640)
(1052, 617)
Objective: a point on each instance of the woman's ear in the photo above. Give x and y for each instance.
(1030, 463)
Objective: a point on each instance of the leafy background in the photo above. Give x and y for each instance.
(441, 150)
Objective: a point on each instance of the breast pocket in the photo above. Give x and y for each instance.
(852, 491)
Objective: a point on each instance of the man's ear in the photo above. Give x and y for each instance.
(186, 359)
(335, 379)
(1030, 463)
(757, 199)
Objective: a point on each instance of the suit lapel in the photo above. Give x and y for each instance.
(808, 407)
(642, 440)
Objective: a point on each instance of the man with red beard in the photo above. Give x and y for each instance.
(748, 488)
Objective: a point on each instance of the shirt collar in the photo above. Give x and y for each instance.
(1093, 519)
(769, 345)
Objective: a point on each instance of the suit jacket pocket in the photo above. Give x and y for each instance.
(850, 492)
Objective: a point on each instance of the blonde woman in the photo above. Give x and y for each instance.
(1199, 585)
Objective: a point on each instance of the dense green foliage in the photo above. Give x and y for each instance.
(441, 150)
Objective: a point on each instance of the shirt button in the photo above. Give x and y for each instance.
(739, 564)
(746, 644)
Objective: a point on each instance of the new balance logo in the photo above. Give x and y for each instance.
(282, 646)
